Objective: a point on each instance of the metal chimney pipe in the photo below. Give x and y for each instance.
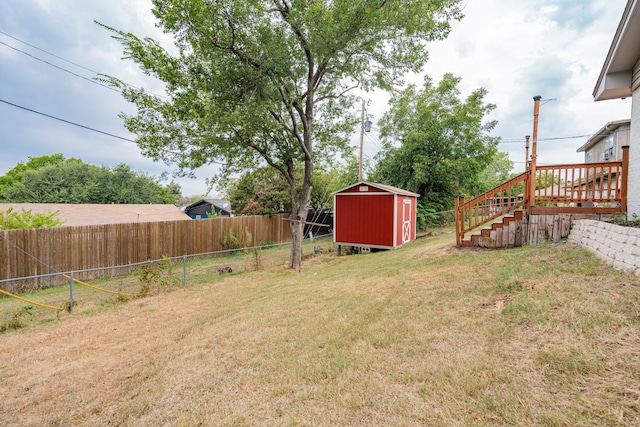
(534, 150)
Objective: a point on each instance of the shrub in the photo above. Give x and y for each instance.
(230, 240)
(13, 220)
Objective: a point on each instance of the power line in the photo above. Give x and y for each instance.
(48, 53)
(516, 140)
(82, 126)
(374, 141)
(66, 60)
(59, 68)
(566, 137)
(66, 121)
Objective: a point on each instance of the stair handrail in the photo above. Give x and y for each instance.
(499, 201)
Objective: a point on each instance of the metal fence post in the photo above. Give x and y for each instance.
(255, 249)
(184, 270)
(71, 302)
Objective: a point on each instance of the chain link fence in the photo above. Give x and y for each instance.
(138, 280)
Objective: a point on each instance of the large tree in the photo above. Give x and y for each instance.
(74, 181)
(15, 174)
(264, 191)
(268, 82)
(499, 170)
(436, 143)
(260, 192)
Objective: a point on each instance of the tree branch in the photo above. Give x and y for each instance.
(265, 155)
(334, 96)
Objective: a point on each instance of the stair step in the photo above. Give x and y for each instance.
(467, 243)
(486, 232)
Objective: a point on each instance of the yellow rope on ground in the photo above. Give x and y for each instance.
(9, 294)
(97, 288)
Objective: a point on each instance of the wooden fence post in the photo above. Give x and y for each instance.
(458, 201)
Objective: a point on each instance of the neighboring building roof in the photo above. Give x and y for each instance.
(223, 205)
(617, 72)
(384, 187)
(605, 131)
(93, 214)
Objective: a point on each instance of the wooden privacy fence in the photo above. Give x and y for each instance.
(26, 253)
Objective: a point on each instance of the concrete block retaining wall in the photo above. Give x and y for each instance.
(618, 246)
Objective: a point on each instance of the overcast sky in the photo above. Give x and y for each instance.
(515, 49)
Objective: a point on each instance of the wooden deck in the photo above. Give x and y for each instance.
(538, 200)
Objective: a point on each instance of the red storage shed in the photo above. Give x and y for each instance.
(373, 216)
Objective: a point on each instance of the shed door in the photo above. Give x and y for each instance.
(406, 221)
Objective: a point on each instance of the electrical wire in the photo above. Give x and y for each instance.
(48, 53)
(70, 62)
(372, 139)
(66, 121)
(59, 68)
(83, 126)
(557, 138)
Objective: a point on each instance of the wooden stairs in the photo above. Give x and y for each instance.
(508, 232)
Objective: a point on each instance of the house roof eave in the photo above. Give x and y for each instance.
(602, 133)
(615, 77)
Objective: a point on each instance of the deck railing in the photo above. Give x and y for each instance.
(589, 185)
(488, 206)
(574, 188)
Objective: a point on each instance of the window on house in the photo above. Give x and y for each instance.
(588, 156)
(608, 143)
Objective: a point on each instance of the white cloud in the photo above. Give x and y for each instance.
(515, 49)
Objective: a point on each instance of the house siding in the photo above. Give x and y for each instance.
(621, 138)
(633, 198)
(635, 80)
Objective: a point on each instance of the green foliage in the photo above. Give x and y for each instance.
(14, 176)
(261, 192)
(175, 190)
(444, 145)
(157, 276)
(623, 219)
(270, 82)
(19, 319)
(265, 191)
(73, 181)
(494, 174)
(13, 220)
(230, 240)
(330, 178)
(430, 216)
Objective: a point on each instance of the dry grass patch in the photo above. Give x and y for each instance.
(425, 335)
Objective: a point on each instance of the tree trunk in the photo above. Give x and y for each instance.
(301, 203)
(298, 216)
(297, 231)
